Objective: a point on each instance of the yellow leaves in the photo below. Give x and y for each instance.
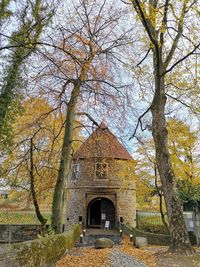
(163, 28)
(151, 45)
(34, 111)
(182, 143)
(153, 13)
(126, 172)
(35, 118)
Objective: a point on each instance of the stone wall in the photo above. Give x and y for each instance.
(18, 233)
(42, 252)
(154, 239)
(127, 206)
(86, 187)
(75, 206)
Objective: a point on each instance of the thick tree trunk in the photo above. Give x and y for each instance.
(65, 161)
(179, 237)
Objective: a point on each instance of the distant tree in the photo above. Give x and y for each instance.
(183, 146)
(183, 149)
(32, 166)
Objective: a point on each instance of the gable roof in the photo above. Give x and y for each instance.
(102, 143)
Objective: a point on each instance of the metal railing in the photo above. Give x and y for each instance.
(152, 222)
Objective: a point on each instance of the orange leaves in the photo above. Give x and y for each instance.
(90, 257)
(151, 256)
(143, 255)
(85, 257)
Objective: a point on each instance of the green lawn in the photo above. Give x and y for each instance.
(155, 220)
(21, 217)
(152, 224)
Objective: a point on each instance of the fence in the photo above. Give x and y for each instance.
(19, 225)
(152, 222)
(154, 218)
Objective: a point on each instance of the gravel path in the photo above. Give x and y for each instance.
(119, 259)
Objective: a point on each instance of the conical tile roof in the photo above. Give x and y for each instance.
(102, 143)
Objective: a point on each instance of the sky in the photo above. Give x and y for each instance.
(140, 99)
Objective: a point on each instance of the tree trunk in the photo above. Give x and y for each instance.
(179, 237)
(160, 195)
(65, 161)
(33, 192)
(29, 200)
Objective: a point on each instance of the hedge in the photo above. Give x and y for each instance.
(42, 252)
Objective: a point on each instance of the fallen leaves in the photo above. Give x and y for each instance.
(84, 257)
(151, 256)
(145, 256)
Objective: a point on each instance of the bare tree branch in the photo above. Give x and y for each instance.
(139, 122)
(144, 57)
(180, 60)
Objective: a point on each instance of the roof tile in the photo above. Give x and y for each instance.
(102, 143)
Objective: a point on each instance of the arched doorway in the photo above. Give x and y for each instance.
(99, 211)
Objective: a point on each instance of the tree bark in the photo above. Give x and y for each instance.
(179, 237)
(32, 187)
(65, 161)
(160, 195)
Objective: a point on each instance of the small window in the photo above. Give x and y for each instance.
(101, 170)
(75, 171)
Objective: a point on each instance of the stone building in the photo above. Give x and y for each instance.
(98, 189)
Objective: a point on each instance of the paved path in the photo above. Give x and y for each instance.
(120, 259)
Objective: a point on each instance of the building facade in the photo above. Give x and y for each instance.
(99, 191)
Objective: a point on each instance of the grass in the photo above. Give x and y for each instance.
(152, 224)
(21, 217)
(153, 220)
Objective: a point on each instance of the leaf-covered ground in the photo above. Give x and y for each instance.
(158, 256)
(85, 257)
(151, 256)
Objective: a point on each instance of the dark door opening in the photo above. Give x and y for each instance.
(99, 211)
(95, 213)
